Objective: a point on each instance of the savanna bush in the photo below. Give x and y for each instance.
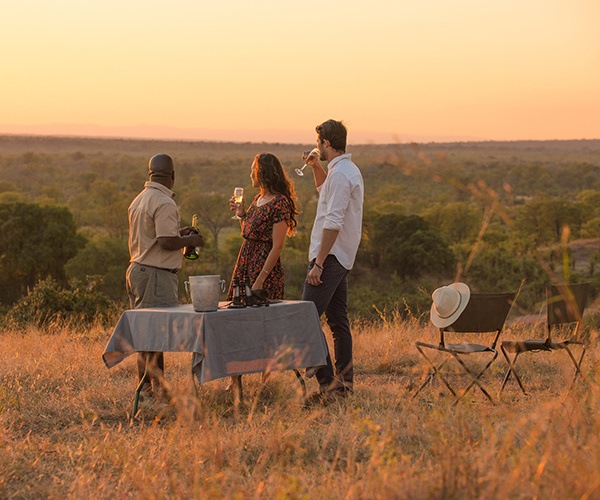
(48, 303)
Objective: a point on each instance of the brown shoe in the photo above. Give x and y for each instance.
(315, 399)
(340, 392)
(323, 398)
(162, 394)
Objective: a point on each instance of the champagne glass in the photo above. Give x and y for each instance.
(300, 171)
(238, 194)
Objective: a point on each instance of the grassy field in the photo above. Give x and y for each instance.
(66, 430)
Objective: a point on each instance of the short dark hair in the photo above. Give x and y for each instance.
(161, 165)
(335, 132)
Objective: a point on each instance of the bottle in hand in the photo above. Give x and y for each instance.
(192, 253)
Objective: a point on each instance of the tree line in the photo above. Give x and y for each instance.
(489, 216)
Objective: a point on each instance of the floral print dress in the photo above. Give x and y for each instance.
(257, 230)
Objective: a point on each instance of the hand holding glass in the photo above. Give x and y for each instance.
(238, 194)
(314, 152)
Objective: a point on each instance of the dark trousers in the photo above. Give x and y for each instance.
(331, 298)
(154, 364)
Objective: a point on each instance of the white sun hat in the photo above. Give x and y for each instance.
(448, 303)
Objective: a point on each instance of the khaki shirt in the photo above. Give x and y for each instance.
(153, 214)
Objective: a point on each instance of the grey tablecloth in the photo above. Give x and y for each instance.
(226, 342)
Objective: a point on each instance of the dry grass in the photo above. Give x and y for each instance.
(66, 433)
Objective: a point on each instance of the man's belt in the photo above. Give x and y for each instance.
(172, 271)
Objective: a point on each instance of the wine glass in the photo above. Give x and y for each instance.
(314, 152)
(238, 194)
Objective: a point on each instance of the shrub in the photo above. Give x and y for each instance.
(80, 304)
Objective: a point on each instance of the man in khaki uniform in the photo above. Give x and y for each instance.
(155, 243)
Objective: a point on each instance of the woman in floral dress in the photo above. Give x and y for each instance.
(270, 216)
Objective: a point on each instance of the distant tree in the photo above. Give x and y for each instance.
(404, 245)
(499, 268)
(589, 203)
(591, 229)
(9, 197)
(213, 213)
(455, 222)
(35, 242)
(542, 219)
(388, 207)
(590, 200)
(230, 250)
(114, 218)
(105, 192)
(7, 187)
(103, 260)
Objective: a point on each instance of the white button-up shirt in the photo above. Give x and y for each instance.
(340, 208)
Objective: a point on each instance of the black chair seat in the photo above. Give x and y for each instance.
(513, 346)
(565, 305)
(460, 348)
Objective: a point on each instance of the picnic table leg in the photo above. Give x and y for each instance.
(302, 382)
(196, 392)
(236, 382)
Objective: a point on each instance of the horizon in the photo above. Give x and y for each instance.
(429, 71)
(109, 133)
(155, 132)
(425, 141)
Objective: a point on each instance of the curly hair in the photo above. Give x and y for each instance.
(272, 177)
(335, 132)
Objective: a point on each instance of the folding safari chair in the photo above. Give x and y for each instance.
(565, 305)
(484, 313)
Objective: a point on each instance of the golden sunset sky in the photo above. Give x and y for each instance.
(270, 70)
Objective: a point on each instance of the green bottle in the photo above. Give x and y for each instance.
(192, 253)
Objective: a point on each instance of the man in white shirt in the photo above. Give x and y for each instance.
(333, 245)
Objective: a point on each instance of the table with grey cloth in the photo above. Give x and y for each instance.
(283, 336)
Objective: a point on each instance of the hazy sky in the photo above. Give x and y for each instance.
(270, 70)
